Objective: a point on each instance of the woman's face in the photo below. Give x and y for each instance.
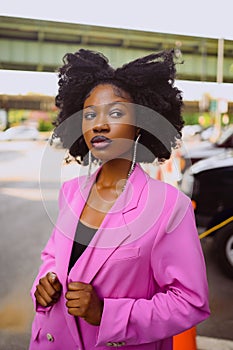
(108, 123)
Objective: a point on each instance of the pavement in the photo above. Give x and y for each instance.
(207, 343)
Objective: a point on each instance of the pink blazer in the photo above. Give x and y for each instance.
(145, 262)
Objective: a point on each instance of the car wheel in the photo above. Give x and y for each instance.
(224, 248)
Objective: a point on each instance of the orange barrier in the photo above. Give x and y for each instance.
(185, 340)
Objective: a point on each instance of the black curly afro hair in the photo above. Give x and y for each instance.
(150, 83)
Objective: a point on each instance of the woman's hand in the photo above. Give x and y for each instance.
(48, 290)
(82, 301)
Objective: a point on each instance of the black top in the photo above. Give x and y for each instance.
(83, 236)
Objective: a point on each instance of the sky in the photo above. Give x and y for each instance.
(204, 18)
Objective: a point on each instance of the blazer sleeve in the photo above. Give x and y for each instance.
(178, 267)
(48, 259)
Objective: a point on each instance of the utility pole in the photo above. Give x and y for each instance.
(220, 59)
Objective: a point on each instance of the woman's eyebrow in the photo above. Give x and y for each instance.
(118, 102)
(107, 104)
(90, 106)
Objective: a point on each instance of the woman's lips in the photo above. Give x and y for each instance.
(100, 142)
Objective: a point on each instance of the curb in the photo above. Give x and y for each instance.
(206, 343)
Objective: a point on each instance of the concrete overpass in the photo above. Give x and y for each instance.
(27, 102)
(39, 45)
(46, 103)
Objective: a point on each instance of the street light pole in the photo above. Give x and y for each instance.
(220, 59)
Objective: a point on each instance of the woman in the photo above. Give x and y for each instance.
(117, 270)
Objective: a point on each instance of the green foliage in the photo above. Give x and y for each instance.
(191, 118)
(17, 116)
(205, 119)
(45, 125)
(230, 118)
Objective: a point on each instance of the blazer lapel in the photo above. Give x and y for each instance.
(113, 232)
(69, 217)
(102, 246)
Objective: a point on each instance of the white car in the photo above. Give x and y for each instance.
(21, 132)
(194, 152)
(189, 131)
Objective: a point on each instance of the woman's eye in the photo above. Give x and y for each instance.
(116, 114)
(89, 115)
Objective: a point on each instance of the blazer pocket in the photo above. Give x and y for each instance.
(125, 253)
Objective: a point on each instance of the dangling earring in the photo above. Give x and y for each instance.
(134, 155)
(89, 164)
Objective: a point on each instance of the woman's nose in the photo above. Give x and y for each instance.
(101, 125)
(101, 128)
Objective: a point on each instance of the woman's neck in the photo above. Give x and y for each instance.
(114, 173)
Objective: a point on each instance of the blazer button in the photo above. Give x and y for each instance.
(116, 344)
(50, 337)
